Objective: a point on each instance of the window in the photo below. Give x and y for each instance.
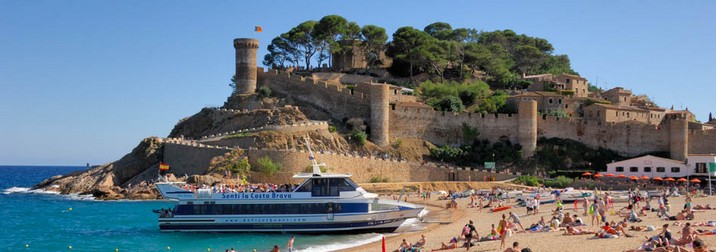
(550, 101)
(675, 169)
(617, 113)
(647, 169)
(597, 113)
(660, 169)
(620, 169)
(560, 101)
(701, 168)
(633, 169)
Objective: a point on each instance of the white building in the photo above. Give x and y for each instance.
(696, 165)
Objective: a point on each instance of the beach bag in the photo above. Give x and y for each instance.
(466, 230)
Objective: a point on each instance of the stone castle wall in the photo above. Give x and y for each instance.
(190, 159)
(626, 139)
(363, 168)
(340, 103)
(446, 127)
(702, 142)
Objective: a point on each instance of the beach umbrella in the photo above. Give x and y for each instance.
(634, 178)
(644, 177)
(598, 175)
(668, 179)
(621, 176)
(682, 180)
(587, 174)
(610, 175)
(658, 178)
(695, 180)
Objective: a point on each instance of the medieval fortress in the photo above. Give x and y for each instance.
(390, 114)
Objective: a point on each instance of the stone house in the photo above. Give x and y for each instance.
(618, 96)
(617, 114)
(562, 82)
(354, 57)
(546, 101)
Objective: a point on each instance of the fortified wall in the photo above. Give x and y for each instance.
(390, 118)
(363, 169)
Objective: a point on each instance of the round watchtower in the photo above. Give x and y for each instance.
(379, 113)
(246, 65)
(527, 123)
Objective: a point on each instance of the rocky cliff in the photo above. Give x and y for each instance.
(116, 180)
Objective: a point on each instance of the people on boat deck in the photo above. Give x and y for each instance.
(256, 187)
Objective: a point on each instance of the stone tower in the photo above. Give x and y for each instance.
(246, 65)
(379, 114)
(527, 125)
(679, 139)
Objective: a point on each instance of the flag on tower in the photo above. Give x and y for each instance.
(258, 28)
(163, 167)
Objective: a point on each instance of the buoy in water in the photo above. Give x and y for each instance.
(116, 250)
(70, 209)
(208, 249)
(169, 248)
(27, 245)
(69, 247)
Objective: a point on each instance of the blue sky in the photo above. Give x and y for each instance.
(85, 81)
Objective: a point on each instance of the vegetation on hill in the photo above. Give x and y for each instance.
(454, 96)
(460, 54)
(318, 40)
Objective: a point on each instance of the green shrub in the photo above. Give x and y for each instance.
(331, 128)
(309, 169)
(527, 180)
(397, 142)
(379, 179)
(241, 167)
(359, 137)
(266, 165)
(264, 91)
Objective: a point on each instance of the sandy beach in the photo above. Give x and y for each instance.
(542, 241)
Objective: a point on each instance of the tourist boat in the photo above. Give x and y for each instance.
(322, 203)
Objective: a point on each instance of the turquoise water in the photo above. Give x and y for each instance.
(45, 222)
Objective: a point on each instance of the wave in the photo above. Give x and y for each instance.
(348, 243)
(14, 189)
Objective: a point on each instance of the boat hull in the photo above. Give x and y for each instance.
(363, 223)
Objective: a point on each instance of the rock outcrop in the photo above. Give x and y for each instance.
(124, 178)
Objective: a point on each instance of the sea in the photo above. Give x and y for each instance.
(34, 220)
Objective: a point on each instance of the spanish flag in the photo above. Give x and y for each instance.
(163, 167)
(258, 28)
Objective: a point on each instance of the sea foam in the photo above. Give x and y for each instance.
(349, 242)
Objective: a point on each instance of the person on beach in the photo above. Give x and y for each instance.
(404, 246)
(585, 205)
(502, 228)
(516, 220)
(289, 246)
(515, 247)
(468, 232)
(576, 231)
(420, 243)
(688, 235)
(275, 249)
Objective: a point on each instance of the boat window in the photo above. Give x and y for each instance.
(382, 207)
(324, 187)
(306, 186)
(346, 186)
